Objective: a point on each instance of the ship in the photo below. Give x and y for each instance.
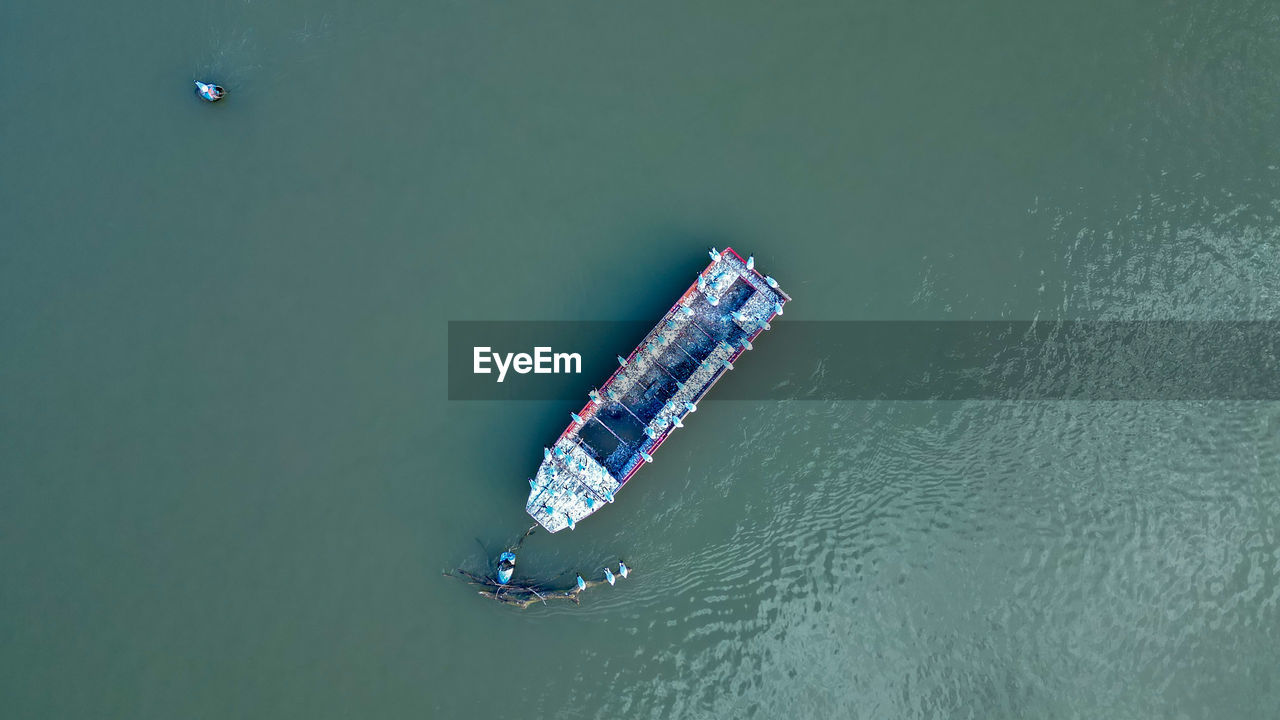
(654, 390)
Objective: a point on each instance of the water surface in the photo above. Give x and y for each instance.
(231, 477)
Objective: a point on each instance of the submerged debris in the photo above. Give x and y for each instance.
(525, 593)
(522, 595)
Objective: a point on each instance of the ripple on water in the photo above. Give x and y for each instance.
(989, 559)
(971, 559)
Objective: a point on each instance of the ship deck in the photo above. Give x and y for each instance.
(653, 390)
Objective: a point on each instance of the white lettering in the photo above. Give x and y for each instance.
(543, 361)
(567, 357)
(481, 357)
(502, 366)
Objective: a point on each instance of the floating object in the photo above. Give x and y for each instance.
(608, 575)
(506, 566)
(210, 92)
(623, 570)
(648, 395)
(523, 593)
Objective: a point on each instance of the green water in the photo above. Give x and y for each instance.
(230, 478)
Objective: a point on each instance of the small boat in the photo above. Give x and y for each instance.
(608, 575)
(623, 570)
(210, 92)
(582, 584)
(506, 567)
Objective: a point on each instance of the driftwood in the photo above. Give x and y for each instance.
(522, 595)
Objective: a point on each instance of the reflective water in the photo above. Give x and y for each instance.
(231, 480)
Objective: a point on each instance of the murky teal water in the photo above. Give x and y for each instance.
(230, 479)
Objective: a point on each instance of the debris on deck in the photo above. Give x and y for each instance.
(653, 390)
